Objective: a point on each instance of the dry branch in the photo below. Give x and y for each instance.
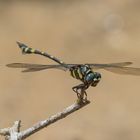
(13, 133)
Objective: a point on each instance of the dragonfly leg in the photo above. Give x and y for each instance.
(81, 91)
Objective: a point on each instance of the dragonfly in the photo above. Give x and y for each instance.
(86, 73)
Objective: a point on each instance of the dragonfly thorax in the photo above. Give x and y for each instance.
(85, 74)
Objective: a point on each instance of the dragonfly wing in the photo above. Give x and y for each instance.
(112, 67)
(102, 66)
(34, 67)
(41, 68)
(121, 64)
(124, 70)
(24, 65)
(118, 68)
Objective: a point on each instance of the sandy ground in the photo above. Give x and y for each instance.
(89, 31)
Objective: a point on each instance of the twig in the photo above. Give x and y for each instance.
(14, 133)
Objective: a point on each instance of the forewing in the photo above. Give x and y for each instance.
(34, 67)
(102, 66)
(118, 68)
(124, 70)
(24, 65)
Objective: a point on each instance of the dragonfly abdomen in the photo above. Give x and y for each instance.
(28, 50)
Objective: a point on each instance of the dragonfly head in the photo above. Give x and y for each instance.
(96, 79)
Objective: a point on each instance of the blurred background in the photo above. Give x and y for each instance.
(77, 31)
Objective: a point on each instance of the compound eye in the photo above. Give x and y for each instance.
(98, 75)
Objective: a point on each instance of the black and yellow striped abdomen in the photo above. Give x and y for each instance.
(28, 50)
